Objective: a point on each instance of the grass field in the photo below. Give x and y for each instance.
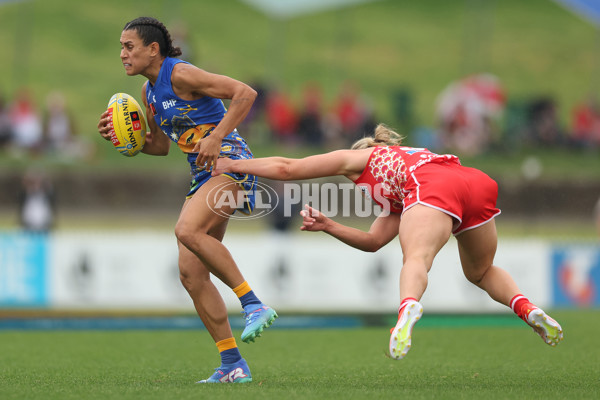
(493, 358)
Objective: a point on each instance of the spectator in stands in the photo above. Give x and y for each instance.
(544, 127)
(586, 124)
(254, 122)
(5, 125)
(281, 117)
(351, 112)
(468, 113)
(285, 209)
(59, 133)
(36, 203)
(26, 123)
(310, 119)
(58, 124)
(597, 216)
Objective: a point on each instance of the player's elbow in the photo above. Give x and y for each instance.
(283, 171)
(373, 245)
(155, 149)
(247, 94)
(155, 153)
(372, 248)
(252, 94)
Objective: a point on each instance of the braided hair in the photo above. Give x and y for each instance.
(152, 30)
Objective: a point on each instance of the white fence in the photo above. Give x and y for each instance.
(306, 272)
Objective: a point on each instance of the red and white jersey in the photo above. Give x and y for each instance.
(388, 169)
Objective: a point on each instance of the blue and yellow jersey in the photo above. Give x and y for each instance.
(186, 122)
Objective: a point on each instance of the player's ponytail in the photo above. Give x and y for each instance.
(384, 136)
(152, 30)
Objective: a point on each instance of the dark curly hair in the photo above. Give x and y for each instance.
(152, 30)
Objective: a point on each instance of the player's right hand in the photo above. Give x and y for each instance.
(313, 220)
(223, 166)
(105, 125)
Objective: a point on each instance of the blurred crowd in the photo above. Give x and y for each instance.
(27, 130)
(310, 120)
(475, 115)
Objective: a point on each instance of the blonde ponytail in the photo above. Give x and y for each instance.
(384, 136)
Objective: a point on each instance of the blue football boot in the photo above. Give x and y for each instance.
(230, 373)
(258, 317)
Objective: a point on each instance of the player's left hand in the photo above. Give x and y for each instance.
(208, 150)
(313, 220)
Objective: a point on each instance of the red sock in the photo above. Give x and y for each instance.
(521, 306)
(403, 304)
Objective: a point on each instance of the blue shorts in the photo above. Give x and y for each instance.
(235, 147)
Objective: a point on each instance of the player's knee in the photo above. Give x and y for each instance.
(192, 283)
(421, 259)
(187, 233)
(186, 282)
(182, 232)
(475, 276)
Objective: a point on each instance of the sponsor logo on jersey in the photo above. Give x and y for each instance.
(153, 109)
(168, 104)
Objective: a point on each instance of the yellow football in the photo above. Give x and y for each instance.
(128, 126)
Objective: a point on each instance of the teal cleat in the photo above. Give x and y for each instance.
(258, 318)
(230, 373)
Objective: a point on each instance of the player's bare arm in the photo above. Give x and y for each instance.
(349, 163)
(157, 143)
(190, 82)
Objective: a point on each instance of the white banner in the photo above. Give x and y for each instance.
(305, 272)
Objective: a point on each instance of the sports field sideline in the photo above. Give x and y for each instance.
(492, 357)
(91, 321)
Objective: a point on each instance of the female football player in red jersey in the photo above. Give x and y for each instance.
(184, 105)
(427, 197)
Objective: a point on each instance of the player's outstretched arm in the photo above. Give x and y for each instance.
(349, 163)
(382, 231)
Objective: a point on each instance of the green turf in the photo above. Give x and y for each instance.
(448, 360)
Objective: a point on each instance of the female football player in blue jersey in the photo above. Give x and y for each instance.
(184, 105)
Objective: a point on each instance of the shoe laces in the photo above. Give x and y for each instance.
(252, 315)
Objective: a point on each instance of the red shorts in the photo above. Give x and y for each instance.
(466, 194)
